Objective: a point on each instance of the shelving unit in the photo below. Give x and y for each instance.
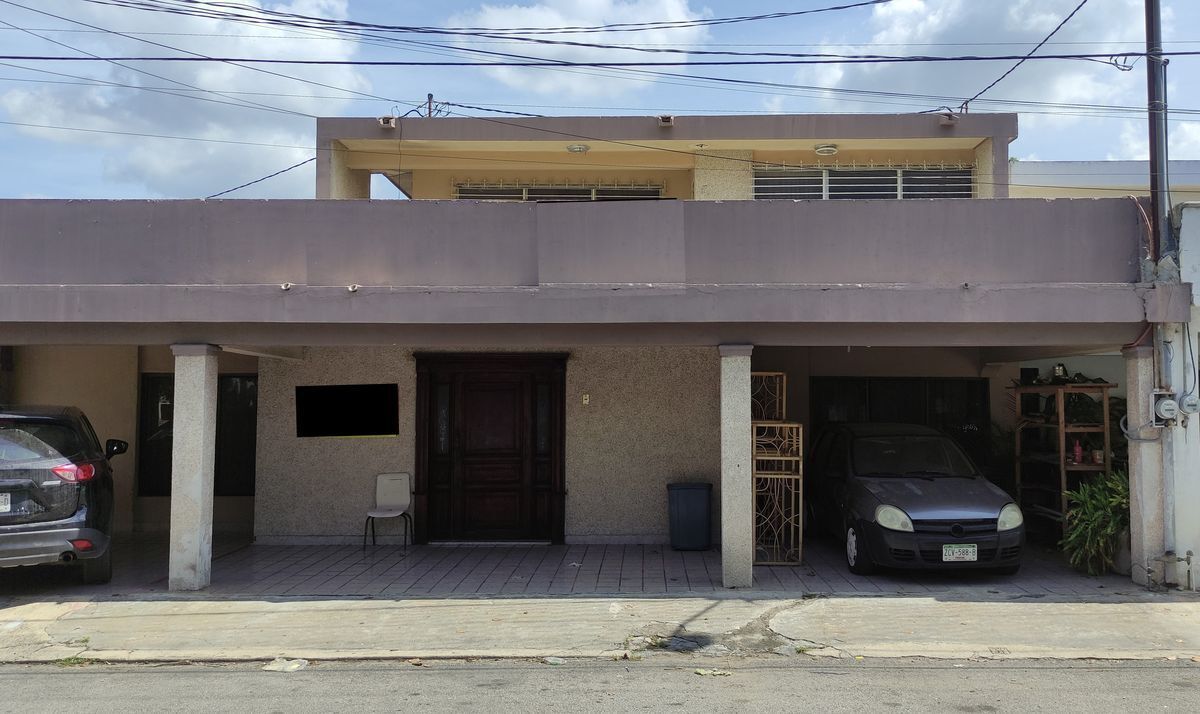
(778, 473)
(1045, 465)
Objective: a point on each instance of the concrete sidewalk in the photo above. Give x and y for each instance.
(198, 628)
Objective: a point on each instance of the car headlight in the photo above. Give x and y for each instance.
(893, 519)
(1010, 518)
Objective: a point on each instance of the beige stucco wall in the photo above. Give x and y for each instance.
(985, 170)
(652, 419)
(723, 175)
(103, 382)
(324, 486)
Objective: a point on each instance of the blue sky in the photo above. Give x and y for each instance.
(243, 143)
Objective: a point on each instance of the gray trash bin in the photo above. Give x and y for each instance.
(690, 506)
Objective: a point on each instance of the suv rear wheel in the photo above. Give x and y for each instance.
(97, 571)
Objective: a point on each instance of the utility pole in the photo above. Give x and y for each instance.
(1156, 86)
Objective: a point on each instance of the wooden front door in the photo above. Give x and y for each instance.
(489, 447)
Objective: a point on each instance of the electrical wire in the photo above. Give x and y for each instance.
(277, 19)
(91, 55)
(264, 178)
(1026, 57)
(918, 99)
(208, 8)
(816, 58)
(199, 57)
(277, 36)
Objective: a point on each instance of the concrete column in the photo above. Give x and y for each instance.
(991, 169)
(723, 176)
(1145, 468)
(193, 457)
(737, 460)
(334, 178)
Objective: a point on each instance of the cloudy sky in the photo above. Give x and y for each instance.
(185, 130)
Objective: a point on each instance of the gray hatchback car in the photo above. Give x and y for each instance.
(56, 491)
(906, 496)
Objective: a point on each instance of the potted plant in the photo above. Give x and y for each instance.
(1097, 523)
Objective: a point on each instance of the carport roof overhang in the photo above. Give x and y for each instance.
(864, 314)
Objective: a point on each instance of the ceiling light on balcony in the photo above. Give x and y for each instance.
(825, 149)
(578, 148)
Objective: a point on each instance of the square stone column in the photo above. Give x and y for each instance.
(737, 468)
(1145, 469)
(193, 459)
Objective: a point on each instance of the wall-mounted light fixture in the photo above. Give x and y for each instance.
(578, 148)
(825, 149)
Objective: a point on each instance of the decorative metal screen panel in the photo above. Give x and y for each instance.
(768, 396)
(778, 523)
(778, 492)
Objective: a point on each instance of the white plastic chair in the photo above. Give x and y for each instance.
(393, 498)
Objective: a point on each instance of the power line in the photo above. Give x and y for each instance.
(1087, 111)
(264, 178)
(200, 57)
(814, 58)
(331, 38)
(1022, 61)
(208, 9)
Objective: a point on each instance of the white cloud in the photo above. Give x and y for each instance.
(173, 168)
(569, 13)
(1134, 143)
(950, 27)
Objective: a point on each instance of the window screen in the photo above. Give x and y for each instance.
(922, 183)
(863, 184)
(792, 184)
(789, 184)
(581, 192)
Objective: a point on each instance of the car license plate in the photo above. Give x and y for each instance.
(959, 553)
(5, 502)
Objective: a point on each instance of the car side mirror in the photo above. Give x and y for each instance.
(115, 447)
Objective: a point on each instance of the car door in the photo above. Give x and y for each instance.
(838, 480)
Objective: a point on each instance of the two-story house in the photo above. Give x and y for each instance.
(561, 320)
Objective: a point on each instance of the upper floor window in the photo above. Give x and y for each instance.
(814, 183)
(556, 192)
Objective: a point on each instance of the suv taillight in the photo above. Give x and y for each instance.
(75, 473)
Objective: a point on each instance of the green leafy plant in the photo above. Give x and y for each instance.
(1097, 516)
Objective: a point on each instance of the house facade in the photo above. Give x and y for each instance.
(561, 321)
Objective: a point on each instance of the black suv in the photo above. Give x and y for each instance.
(56, 490)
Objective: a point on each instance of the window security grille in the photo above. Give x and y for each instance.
(498, 192)
(788, 183)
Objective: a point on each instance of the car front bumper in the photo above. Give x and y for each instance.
(40, 543)
(896, 549)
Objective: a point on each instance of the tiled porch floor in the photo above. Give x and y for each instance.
(440, 571)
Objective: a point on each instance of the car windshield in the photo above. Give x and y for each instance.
(909, 456)
(34, 441)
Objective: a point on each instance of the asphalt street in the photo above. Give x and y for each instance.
(660, 682)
